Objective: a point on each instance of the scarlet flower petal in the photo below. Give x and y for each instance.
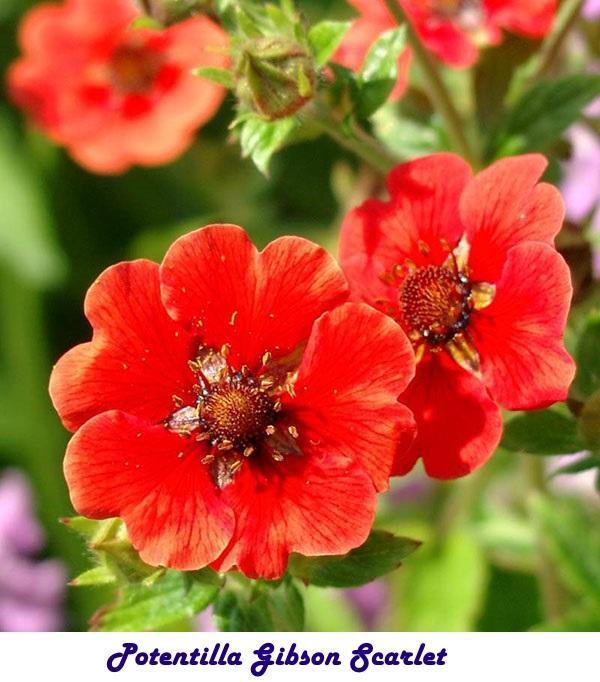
(532, 18)
(458, 425)
(503, 206)
(443, 37)
(422, 214)
(174, 116)
(119, 465)
(66, 82)
(321, 504)
(520, 335)
(137, 359)
(256, 302)
(356, 364)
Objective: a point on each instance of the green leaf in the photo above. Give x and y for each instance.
(261, 139)
(443, 587)
(100, 575)
(571, 534)
(260, 607)
(379, 73)
(325, 38)
(583, 464)
(543, 113)
(492, 76)
(587, 357)
(223, 77)
(381, 553)
(173, 597)
(92, 530)
(546, 432)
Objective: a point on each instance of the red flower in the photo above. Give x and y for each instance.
(455, 29)
(467, 267)
(218, 419)
(364, 31)
(115, 95)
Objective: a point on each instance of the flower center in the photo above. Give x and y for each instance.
(133, 69)
(435, 303)
(237, 413)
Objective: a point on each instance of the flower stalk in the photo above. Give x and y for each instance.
(356, 140)
(437, 88)
(551, 47)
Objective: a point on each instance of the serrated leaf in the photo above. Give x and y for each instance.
(222, 77)
(260, 139)
(324, 39)
(379, 73)
(123, 559)
(543, 113)
(140, 608)
(587, 356)
(91, 529)
(545, 432)
(382, 553)
(260, 608)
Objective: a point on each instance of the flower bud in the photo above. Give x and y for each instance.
(275, 77)
(167, 12)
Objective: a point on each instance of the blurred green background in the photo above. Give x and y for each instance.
(488, 560)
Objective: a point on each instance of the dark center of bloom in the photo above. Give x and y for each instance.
(237, 413)
(435, 303)
(134, 68)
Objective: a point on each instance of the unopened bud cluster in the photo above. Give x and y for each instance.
(275, 77)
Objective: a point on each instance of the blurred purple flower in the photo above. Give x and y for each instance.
(591, 10)
(369, 602)
(581, 183)
(31, 591)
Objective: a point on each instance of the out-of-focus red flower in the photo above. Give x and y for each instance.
(453, 30)
(466, 265)
(112, 94)
(227, 410)
(365, 30)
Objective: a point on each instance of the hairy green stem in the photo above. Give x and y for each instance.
(565, 20)
(546, 57)
(357, 140)
(437, 88)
